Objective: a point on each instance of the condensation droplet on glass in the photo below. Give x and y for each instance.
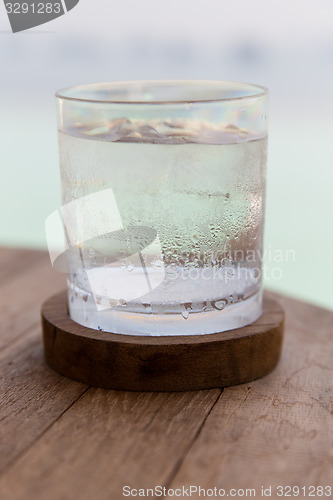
(219, 304)
(232, 299)
(185, 313)
(186, 310)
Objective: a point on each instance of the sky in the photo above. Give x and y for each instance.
(286, 45)
(274, 19)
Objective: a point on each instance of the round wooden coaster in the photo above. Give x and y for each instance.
(175, 363)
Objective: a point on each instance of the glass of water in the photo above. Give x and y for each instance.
(163, 193)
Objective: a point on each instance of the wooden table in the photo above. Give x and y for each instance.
(64, 440)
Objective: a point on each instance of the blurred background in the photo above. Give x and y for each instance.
(286, 45)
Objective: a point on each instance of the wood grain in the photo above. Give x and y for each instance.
(23, 290)
(278, 430)
(32, 396)
(62, 441)
(108, 440)
(15, 261)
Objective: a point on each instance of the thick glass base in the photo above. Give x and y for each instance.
(233, 316)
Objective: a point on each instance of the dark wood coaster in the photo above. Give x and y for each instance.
(173, 363)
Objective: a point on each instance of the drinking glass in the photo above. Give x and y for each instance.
(163, 193)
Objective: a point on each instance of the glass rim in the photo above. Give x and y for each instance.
(254, 91)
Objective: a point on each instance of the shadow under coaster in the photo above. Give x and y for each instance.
(168, 363)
